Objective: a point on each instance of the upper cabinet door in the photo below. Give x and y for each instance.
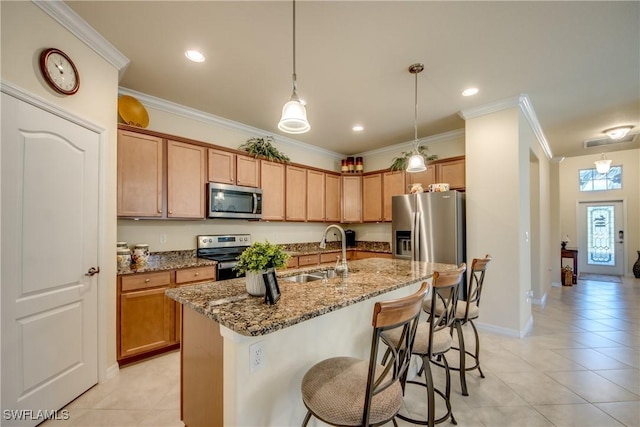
(452, 172)
(425, 178)
(315, 195)
(272, 177)
(140, 175)
(332, 198)
(392, 185)
(372, 198)
(222, 166)
(296, 190)
(186, 175)
(351, 199)
(247, 171)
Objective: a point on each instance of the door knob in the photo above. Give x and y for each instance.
(93, 271)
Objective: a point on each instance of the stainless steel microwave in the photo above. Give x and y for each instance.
(234, 201)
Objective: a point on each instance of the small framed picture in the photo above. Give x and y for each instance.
(273, 291)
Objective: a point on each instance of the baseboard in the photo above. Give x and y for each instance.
(507, 331)
(112, 371)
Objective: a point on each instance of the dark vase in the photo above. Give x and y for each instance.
(636, 267)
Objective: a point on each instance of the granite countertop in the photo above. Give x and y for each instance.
(228, 303)
(170, 260)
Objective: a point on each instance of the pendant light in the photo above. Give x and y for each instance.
(603, 165)
(294, 114)
(416, 161)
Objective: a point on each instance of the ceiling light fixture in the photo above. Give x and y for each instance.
(603, 165)
(294, 115)
(416, 161)
(194, 56)
(358, 128)
(470, 92)
(618, 132)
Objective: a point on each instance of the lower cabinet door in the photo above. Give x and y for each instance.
(147, 321)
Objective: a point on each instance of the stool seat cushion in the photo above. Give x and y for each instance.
(442, 340)
(474, 310)
(461, 306)
(334, 391)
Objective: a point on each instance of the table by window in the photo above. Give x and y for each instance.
(571, 253)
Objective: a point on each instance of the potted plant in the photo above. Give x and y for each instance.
(263, 147)
(400, 162)
(258, 259)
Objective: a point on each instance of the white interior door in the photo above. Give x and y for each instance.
(601, 237)
(49, 243)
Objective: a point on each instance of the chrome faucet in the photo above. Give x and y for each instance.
(343, 269)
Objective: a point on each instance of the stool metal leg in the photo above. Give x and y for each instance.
(463, 357)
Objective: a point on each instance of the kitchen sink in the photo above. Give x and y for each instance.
(310, 277)
(303, 278)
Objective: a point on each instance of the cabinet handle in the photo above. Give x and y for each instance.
(170, 212)
(147, 280)
(197, 274)
(159, 210)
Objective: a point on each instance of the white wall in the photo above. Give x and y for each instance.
(25, 31)
(498, 213)
(630, 193)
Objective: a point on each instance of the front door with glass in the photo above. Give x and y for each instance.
(601, 237)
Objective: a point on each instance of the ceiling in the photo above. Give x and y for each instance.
(578, 62)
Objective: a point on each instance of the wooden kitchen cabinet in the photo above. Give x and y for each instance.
(351, 199)
(146, 317)
(229, 168)
(272, 177)
(392, 185)
(148, 322)
(186, 178)
(372, 198)
(451, 170)
(306, 260)
(140, 175)
(315, 195)
(332, 197)
(296, 193)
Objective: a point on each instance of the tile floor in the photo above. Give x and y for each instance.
(579, 367)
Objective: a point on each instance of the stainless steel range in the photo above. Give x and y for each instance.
(224, 249)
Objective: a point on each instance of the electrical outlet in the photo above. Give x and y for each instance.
(163, 237)
(256, 356)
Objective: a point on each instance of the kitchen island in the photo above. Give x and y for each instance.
(223, 384)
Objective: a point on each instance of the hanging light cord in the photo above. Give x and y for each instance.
(415, 117)
(295, 84)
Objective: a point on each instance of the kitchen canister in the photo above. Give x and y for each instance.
(140, 254)
(124, 257)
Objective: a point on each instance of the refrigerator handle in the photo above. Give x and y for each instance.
(416, 237)
(413, 236)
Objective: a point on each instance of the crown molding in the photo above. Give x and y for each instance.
(408, 145)
(524, 104)
(191, 113)
(70, 20)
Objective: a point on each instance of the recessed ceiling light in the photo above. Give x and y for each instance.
(358, 128)
(470, 91)
(618, 132)
(194, 56)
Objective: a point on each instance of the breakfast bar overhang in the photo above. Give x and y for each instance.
(222, 384)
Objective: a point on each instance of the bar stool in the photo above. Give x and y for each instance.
(466, 312)
(433, 340)
(347, 391)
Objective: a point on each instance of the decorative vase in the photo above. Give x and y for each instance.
(636, 267)
(255, 283)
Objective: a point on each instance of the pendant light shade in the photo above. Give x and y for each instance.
(294, 116)
(416, 161)
(603, 165)
(294, 113)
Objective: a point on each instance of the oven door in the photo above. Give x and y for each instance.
(226, 272)
(232, 201)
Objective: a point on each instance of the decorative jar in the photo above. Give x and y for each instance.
(636, 267)
(140, 254)
(124, 257)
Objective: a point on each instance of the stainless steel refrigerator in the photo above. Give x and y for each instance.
(429, 227)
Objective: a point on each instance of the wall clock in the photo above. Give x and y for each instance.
(59, 71)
